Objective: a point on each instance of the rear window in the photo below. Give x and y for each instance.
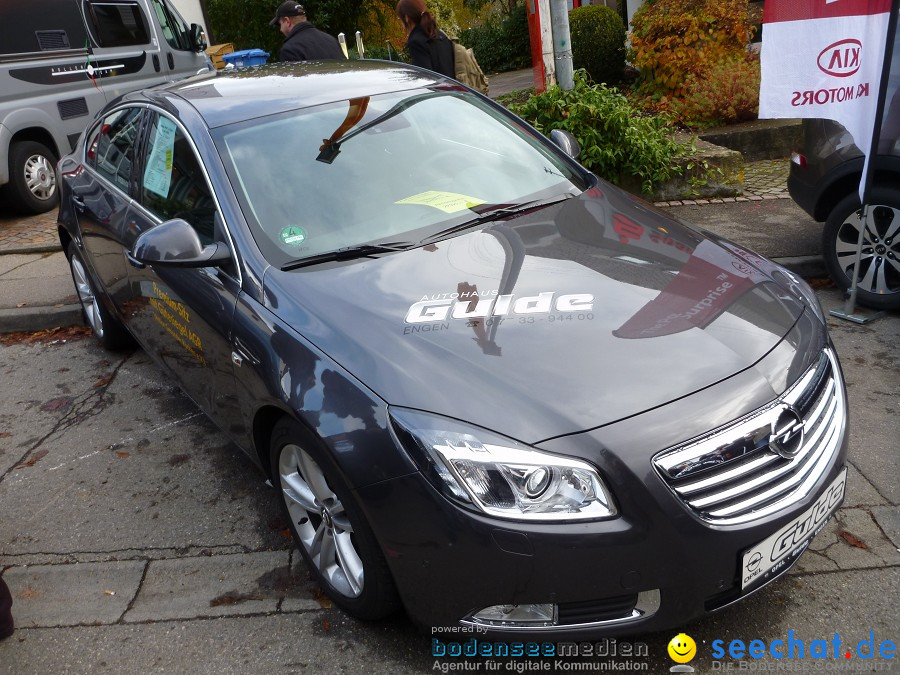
(117, 24)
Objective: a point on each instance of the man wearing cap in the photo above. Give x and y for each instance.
(302, 42)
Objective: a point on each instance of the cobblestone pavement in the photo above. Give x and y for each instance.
(766, 179)
(28, 233)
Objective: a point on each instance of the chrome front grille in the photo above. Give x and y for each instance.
(767, 460)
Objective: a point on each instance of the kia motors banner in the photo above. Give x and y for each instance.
(823, 59)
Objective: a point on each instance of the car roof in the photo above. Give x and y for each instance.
(225, 97)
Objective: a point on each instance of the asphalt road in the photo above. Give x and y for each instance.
(137, 539)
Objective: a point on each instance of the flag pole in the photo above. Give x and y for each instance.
(866, 182)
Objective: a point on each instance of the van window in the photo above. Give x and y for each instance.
(111, 148)
(117, 24)
(173, 27)
(24, 25)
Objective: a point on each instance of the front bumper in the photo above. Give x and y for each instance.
(657, 566)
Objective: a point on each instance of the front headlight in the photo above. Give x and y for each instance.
(499, 476)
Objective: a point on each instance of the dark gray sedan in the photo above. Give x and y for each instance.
(492, 388)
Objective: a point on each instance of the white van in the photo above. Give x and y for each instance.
(61, 61)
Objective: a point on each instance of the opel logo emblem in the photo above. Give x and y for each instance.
(786, 438)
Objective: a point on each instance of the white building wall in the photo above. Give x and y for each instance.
(190, 11)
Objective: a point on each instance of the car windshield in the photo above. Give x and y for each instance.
(391, 169)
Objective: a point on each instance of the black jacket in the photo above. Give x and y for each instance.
(306, 43)
(436, 55)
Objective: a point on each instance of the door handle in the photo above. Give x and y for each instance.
(134, 261)
(171, 60)
(156, 62)
(78, 202)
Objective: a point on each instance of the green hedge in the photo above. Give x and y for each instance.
(598, 42)
(617, 143)
(501, 45)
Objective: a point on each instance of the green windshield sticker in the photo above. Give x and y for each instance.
(293, 236)
(158, 174)
(448, 202)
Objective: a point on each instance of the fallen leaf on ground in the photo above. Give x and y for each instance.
(103, 380)
(323, 599)
(34, 459)
(326, 624)
(21, 304)
(46, 336)
(121, 454)
(852, 539)
(109, 592)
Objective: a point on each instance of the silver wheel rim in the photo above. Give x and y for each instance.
(87, 297)
(880, 260)
(40, 178)
(321, 521)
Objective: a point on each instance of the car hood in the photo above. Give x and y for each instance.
(558, 320)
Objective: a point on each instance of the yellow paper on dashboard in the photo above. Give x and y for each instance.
(448, 202)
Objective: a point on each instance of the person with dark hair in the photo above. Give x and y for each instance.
(428, 46)
(6, 619)
(302, 42)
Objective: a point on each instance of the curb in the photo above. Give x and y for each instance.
(26, 250)
(33, 319)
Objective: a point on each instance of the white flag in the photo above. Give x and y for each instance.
(823, 59)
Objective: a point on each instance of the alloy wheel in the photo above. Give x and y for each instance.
(87, 297)
(321, 521)
(880, 260)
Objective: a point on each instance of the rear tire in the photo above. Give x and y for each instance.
(878, 284)
(33, 184)
(330, 530)
(106, 327)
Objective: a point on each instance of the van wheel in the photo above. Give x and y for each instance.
(878, 284)
(33, 184)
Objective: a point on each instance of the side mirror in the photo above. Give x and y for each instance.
(198, 37)
(566, 141)
(175, 243)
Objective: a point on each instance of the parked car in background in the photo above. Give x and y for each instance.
(61, 62)
(490, 387)
(824, 181)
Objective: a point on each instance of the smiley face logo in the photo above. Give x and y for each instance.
(682, 648)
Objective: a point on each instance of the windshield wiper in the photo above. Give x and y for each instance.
(347, 253)
(495, 214)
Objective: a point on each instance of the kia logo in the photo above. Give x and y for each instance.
(840, 59)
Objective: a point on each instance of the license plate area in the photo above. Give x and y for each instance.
(779, 551)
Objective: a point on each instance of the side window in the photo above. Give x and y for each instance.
(118, 24)
(173, 184)
(111, 147)
(173, 27)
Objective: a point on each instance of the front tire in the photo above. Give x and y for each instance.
(106, 327)
(878, 284)
(33, 184)
(331, 532)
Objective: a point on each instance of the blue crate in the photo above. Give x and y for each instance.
(246, 57)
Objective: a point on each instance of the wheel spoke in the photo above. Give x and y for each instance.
(327, 555)
(868, 280)
(349, 561)
(893, 262)
(315, 478)
(315, 545)
(844, 247)
(881, 286)
(299, 493)
(894, 229)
